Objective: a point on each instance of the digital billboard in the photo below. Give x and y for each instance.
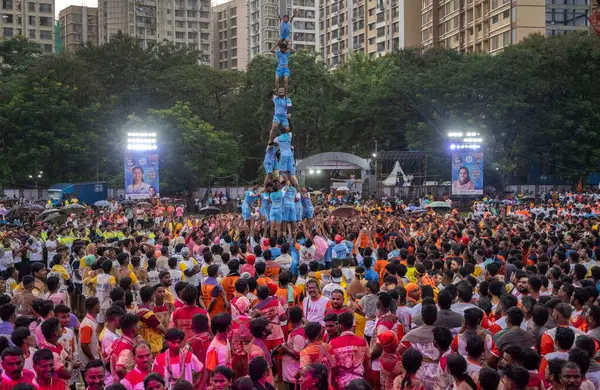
(467, 172)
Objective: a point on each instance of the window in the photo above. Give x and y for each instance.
(31, 6)
(180, 24)
(192, 35)
(45, 7)
(179, 13)
(179, 35)
(47, 48)
(371, 26)
(169, 33)
(494, 42)
(44, 21)
(232, 11)
(169, 23)
(234, 52)
(494, 19)
(506, 14)
(506, 39)
(192, 24)
(514, 14)
(191, 14)
(8, 32)
(32, 20)
(7, 4)
(32, 34)
(45, 34)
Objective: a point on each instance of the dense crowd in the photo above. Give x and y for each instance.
(383, 298)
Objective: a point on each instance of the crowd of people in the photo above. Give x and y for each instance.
(384, 299)
(289, 294)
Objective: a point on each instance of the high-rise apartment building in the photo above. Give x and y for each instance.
(31, 19)
(78, 27)
(374, 27)
(230, 35)
(487, 26)
(184, 22)
(263, 24)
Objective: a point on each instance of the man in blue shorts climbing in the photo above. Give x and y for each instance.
(283, 69)
(250, 197)
(287, 168)
(270, 163)
(285, 27)
(282, 104)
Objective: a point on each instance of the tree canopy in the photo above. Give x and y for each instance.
(537, 102)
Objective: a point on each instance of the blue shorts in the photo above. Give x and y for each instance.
(308, 213)
(265, 213)
(282, 72)
(286, 164)
(281, 120)
(245, 212)
(289, 213)
(284, 36)
(298, 213)
(275, 215)
(269, 168)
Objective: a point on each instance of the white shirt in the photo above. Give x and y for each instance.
(315, 310)
(176, 277)
(51, 246)
(35, 254)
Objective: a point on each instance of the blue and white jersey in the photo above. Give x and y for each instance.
(271, 155)
(306, 202)
(265, 203)
(283, 59)
(276, 199)
(281, 105)
(250, 197)
(285, 145)
(289, 196)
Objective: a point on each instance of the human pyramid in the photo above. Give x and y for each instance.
(283, 204)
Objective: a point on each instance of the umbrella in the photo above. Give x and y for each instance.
(419, 210)
(343, 189)
(58, 217)
(102, 203)
(210, 210)
(145, 205)
(35, 208)
(73, 208)
(166, 199)
(317, 193)
(46, 213)
(440, 205)
(345, 211)
(495, 201)
(128, 201)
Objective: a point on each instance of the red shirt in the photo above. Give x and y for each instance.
(55, 384)
(182, 319)
(178, 303)
(7, 384)
(199, 345)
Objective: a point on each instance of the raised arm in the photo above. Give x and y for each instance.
(294, 15)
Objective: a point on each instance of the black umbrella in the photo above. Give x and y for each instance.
(345, 211)
(210, 210)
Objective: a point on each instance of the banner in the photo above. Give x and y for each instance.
(141, 175)
(467, 172)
